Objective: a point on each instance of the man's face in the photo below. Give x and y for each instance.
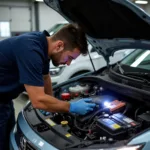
(64, 57)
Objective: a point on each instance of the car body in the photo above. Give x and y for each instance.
(121, 118)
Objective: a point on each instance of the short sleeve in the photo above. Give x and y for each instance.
(46, 67)
(30, 66)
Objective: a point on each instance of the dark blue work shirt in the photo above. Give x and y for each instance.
(23, 60)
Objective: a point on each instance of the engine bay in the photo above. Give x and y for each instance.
(115, 118)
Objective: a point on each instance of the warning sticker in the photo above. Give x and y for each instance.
(128, 120)
(68, 135)
(116, 126)
(50, 122)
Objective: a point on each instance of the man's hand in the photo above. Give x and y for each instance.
(82, 106)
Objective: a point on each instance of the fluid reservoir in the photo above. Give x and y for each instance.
(79, 89)
(65, 96)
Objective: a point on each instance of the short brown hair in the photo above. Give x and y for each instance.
(73, 37)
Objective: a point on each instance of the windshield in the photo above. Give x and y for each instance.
(137, 61)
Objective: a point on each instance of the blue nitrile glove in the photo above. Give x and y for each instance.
(82, 106)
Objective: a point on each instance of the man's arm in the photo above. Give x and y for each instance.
(40, 100)
(48, 85)
(30, 66)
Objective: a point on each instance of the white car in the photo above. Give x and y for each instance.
(82, 64)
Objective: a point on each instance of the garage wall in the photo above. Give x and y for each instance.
(48, 17)
(19, 14)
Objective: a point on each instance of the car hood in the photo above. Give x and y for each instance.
(110, 25)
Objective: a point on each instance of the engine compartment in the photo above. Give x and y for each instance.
(115, 118)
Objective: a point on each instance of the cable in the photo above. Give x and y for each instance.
(137, 112)
(126, 109)
(90, 127)
(85, 130)
(97, 112)
(76, 125)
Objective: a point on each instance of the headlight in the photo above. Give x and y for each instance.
(56, 71)
(133, 147)
(137, 147)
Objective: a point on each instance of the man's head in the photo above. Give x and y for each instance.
(67, 44)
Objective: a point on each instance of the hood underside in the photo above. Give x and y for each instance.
(110, 25)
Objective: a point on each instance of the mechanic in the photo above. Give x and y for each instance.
(24, 65)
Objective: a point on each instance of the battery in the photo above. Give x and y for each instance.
(116, 126)
(109, 127)
(125, 121)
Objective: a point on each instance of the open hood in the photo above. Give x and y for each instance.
(110, 25)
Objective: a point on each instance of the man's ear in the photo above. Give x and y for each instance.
(60, 46)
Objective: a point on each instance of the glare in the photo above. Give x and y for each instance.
(130, 148)
(39, 0)
(51, 33)
(107, 104)
(141, 2)
(140, 59)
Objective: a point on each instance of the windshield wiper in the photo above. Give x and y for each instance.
(120, 68)
(140, 74)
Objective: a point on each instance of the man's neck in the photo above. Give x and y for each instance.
(50, 45)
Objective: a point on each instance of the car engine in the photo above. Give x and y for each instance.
(115, 118)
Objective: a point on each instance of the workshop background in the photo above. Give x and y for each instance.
(21, 16)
